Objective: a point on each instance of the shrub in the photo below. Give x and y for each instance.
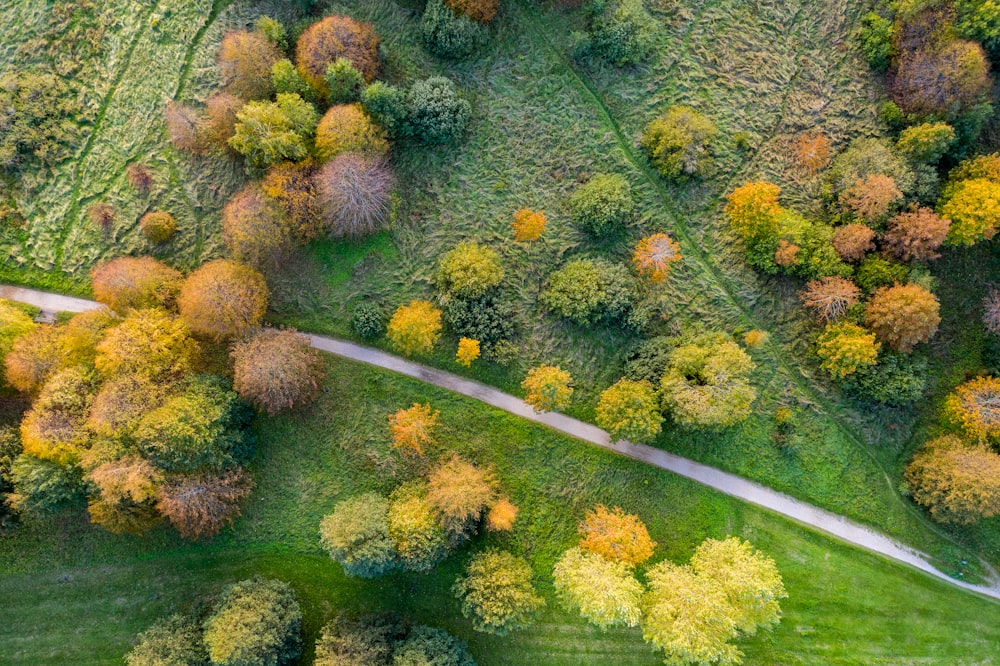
(875, 37)
(415, 327)
(586, 290)
(903, 316)
(496, 593)
(273, 31)
(501, 516)
(469, 270)
(927, 142)
(548, 388)
(897, 380)
(37, 113)
(354, 194)
(654, 255)
(152, 343)
(629, 410)
(756, 216)
(916, 235)
(102, 216)
(427, 646)
(368, 320)
(130, 283)
(175, 641)
(412, 428)
(940, 78)
(346, 128)
(419, 540)
(139, 177)
(269, 132)
(277, 370)
(219, 125)
(336, 37)
(449, 34)
(460, 493)
(343, 81)
(158, 226)
(872, 198)
(254, 230)
(875, 272)
(604, 592)
(256, 623)
(957, 482)
(811, 152)
(869, 157)
(365, 641)
(973, 406)
(244, 61)
(201, 505)
(481, 11)
(182, 126)
(603, 205)
(386, 104)
(290, 186)
(33, 356)
(529, 225)
(678, 142)
(755, 339)
(974, 210)
(43, 486)
(706, 383)
(853, 241)
(287, 80)
(223, 299)
(435, 110)
(622, 31)
(488, 319)
(615, 535)
(356, 535)
(468, 351)
(845, 347)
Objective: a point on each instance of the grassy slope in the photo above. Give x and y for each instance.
(78, 595)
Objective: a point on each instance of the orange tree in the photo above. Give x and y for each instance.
(223, 299)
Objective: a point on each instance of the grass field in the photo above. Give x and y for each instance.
(76, 594)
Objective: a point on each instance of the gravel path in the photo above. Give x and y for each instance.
(730, 484)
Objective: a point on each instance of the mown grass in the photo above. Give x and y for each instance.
(72, 593)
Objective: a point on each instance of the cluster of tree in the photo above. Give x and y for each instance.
(419, 523)
(386, 640)
(254, 622)
(323, 174)
(691, 612)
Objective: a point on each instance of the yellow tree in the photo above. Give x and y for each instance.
(630, 410)
(957, 482)
(549, 388)
(415, 327)
(845, 348)
(460, 493)
(604, 592)
(502, 515)
(412, 428)
(974, 211)
(468, 351)
(975, 407)
(654, 255)
(615, 535)
(903, 315)
(529, 225)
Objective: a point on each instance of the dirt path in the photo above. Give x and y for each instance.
(724, 482)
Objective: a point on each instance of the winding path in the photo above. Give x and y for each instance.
(754, 493)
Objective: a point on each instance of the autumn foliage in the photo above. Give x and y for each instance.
(481, 11)
(616, 535)
(853, 241)
(654, 255)
(354, 194)
(415, 327)
(255, 230)
(811, 152)
(32, 357)
(630, 410)
(937, 78)
(548, 388)
(903, 316)
(158, 226)
(276, 370)
(219, 124)
(501, 516)
(244, 61)
(223, 299)
(830, 297)
(957, 482)
(468, 351)
(134, 283)
(201, 505)
(151, 343)
(916, 235)
(460, 493)
(413, 428)
(975, 407)
(529, 225)
(871, 198)
(844, 348)
(753, 210)
(974, 211)
(346, 128)
(336, 37)
(291, 187)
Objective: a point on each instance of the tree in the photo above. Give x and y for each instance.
(548, 388)
(955, 481)
(368, 320)
(43, 486)
(490, 319)
(974, 211)
(623, 32)
(603, 204)
(277, 370)
(529, 225)
(603, 591)
(256, 622)
(460, 493)
(82, 333)
(353, 193)
(468, 351)
(386, 104)
(244, 61)
(356, 535)
(927, 142)
(897, 379)
(223, 299)
(915, 235)
(654, 256)
(14, 322)
(588, 290)
(629, 410)
(419, 539)
(32, 357)
(688, 617)
(903, 315)
(469, 270)
(412, 428)
(201, 505)
(336, 37)
(139, 177)
(979, 167)
(346, 128)
(615, 535)
(748, 578)
(449, 34)
(174, 641)
(182, 127)
(129, 283)
(755, 215)
(678, 142)
(991, 310)
(343, 81)
(291, 187)
(844, 347)
(365, 641)
(151, 342)
(481, 11)
(54, 427)
(415, 327)
(121, 402)
(268, 132)
(126, 495)
(811, 152)
(255, 231)
(219, 123)
(496, 593)
(875, 272)
(287, 79)
(871, 199)
(501, 516)
(706, 383)
(975, 407)
(853, 241)
(940, 78)
(436, 112)
(866, 157)
(829, 298)
(158, 226)
(876, 40)
(427, 646)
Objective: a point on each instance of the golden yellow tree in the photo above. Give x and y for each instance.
(412, 428)
(468, 351)
(529, 225)
(549, 388)
(616, 535)
(415, 327)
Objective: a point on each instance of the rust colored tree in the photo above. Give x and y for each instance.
(811, 152)
(916, 235)
(413, 428)
(616, 535)
(201, 505)
(244, 61)
(219, 124)
(132, 283)
(903, 315)
(872, 198)
(957, 482)
(277, 370)
(336, 37)
(853, 241)
(223, 299)
(255, 231)
(654, 255)
(182, 126)
(829, 297)
(290, 186)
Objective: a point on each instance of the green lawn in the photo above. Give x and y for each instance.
(76, 594)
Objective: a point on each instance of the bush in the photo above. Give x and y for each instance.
(957, 482)
(916, 235)
(501, 516)
(629, 410)
(853, 241)
(368, 320)
(678, 142)
(897, 380)
(875, 37)
(287, 80)
(548, 388)
(158, 226)
(277, 370)
(354, 194)
(587, 290)
(875, 272)
(175, 641)
(182, 127)
(42, 486)
(36, 112)
(844, 348)
(529, 225)
(346, 128)
(615, 535)
(448, 34)
(133, 283)
(468, 351)
(365, 641)
(356, 535)
(201, 505)
(436, 111)
(603, 591)
(415, 327)
(903, 316)
(496, 593)
(973, 206)
(940, 78)
(223, 299)
(386, 104)
(603, 205)
(269, 132)
(254, 230)
(469, 271)
(151, 343)
(139, 177)
(244, 61)
(622, 31)
(829, 298)
(654, 255)
(343, 81)
(427, 646)
(419, 540)
(336, 37)
(102, 216)
(256, 623)
(927, 142)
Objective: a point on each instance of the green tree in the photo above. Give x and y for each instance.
(588, 290)
(427, 646)
(436, 112)
(678, 142)
(43, 486)
(364, 641)
(875, 37)
(386, 104)
(419, 539)
(449, 34)
(623, 32)
(927, 142)
(629, 410)
(706, 383)
(603, 204)
(356, 535)
(469, 270)
(256, 622)
(603, 591)
(343, 81)
(496, 593)
(174, 641)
